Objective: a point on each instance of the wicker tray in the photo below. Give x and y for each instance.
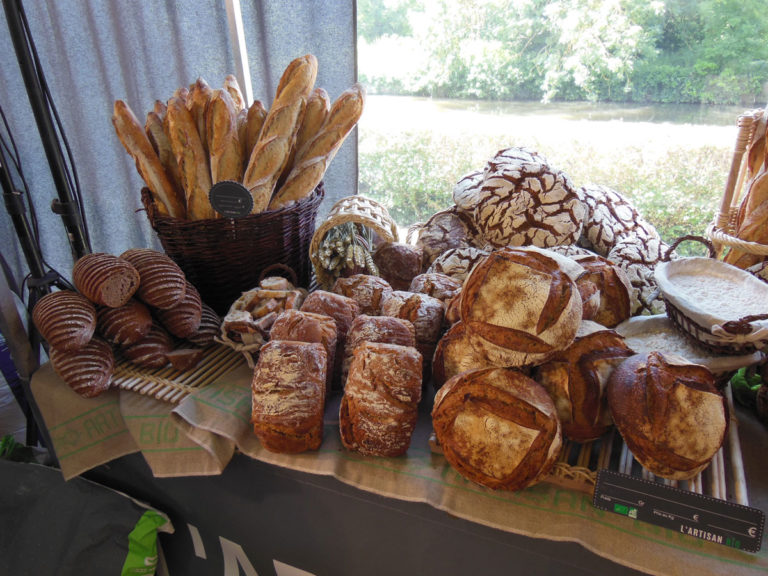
(722, 230)
(224, 257)
(357, 209)
(170, 385)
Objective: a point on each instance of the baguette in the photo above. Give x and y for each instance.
(225, 152)
(313, 159)
(200, 93)
(315, 115)
(138, 146)
(192, 159)
(258, 179)
(282, 122)
(159, 140)
(232, 86)
(256, 115)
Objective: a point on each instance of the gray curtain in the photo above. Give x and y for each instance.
(96, 51)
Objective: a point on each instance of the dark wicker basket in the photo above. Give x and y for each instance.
(224, 257)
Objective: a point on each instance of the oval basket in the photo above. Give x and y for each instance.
(357, 209)
(224, 257)
(722, 230)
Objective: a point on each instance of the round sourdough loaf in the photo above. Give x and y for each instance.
(576, 379)
(88, 370)
(105, 279)
(65, 319)
(436, 285)
(183, 320)
(455, 354)
(398, 263)
(365, 289)
(497, 427)
(125, 325)
(611, 284)
(519, 307)
(162, 283)
(458, 262)
(669, 412)
(446, 229)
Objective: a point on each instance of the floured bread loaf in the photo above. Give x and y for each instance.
(162, 283)
(465, 192)
(184, 318)
(151, 351)
(125, 325)
(65, 319)
(210, 325)
(497, 427)
(436, 285)
(455, 354)
(87, 370)
(365, 289)
(379, 408)
(288, 396)
(398, 263)
(638, 258)
(446, 229)
(457, 262)
(308, 327)
(525, 201)
(576, 379)
(519, 307)
(423, 311)
(105, 279)
(669, 412)
(384, 329)
(611, 284)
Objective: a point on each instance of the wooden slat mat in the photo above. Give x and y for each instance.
(723, 478)
(171, 385)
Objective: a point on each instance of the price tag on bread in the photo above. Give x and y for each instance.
(201, 136)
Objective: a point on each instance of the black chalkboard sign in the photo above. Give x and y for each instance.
(231, 199)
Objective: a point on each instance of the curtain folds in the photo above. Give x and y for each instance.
(94, 52)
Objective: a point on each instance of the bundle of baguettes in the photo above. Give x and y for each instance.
(752, 217)
(201, 136)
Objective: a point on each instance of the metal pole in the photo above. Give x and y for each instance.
(66, 206)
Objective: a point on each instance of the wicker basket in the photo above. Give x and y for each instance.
(357, 209)
(722, 230)
(224, 257)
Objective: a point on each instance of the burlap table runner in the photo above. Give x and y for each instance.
(217, 417)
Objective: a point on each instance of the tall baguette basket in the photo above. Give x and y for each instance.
(722, 230)
(224, 257)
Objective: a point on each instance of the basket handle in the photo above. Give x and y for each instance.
(282, 268)
(681, 239)
(742, 325)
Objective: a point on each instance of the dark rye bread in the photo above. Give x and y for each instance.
(125, 325)
(183, 320)
(162, 284)
(88, 371)
(210, 327)
(65, 319)
(105, 279)
(152, 350)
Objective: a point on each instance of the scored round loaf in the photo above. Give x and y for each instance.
(210, 326)
(525, 201)
(162, 283)
(436, 285)
(455, 354)
(183, 320)
(458, 262)
(288, 396)
(576, 379)
(151, 351)
(497, 427)
(105, 279)
(423, 311)
(385, 329)
(520, 307)
(65, 319)
(87, 370)
(446, 229)
(669, 412)
(612, 285)
(126, 324)
(398, 263)
(379, 407)
(308, 327)
(365, 289)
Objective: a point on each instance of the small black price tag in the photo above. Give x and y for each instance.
(231, 199)
(689, 513)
